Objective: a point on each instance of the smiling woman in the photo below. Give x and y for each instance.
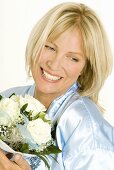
(69, 67)
(59, 65)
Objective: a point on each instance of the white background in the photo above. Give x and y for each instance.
(17, 17)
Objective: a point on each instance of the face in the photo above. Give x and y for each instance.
(60, 64)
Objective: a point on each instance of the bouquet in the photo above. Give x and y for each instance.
(25, 127)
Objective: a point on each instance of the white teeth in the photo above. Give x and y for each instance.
(50, 77)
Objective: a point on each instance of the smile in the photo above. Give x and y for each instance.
(50, 77)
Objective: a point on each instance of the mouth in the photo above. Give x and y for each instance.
(49, 76)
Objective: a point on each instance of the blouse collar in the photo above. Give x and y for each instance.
(55, 105)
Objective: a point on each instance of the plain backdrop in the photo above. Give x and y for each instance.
(17, 17)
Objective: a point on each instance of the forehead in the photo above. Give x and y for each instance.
(70, 39)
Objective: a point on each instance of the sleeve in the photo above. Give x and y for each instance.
(9, 92)
(82, 149)
(90, 159)
(20, 90)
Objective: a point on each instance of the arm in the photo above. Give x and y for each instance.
(18, 163)
(84, 141)
(88, 159)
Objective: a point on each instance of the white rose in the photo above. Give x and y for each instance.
(33, 104)
(40, 131)
(5, 119)
(10, 108)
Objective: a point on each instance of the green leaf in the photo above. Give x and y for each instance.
(41, 156)
(52, 149)
(54, 159)
(24, 148)
(42, 115)
(35, 117)
(23, 108)
(45, 159)
(1, 97)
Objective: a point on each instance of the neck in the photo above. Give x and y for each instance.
(46, 100)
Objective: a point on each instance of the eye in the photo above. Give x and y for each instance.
(50, 48)
(74, 59)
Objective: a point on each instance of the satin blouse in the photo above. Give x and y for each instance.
(84, 136)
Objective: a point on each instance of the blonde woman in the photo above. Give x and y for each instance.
(69, 58)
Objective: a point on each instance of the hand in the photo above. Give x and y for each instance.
(18, 163)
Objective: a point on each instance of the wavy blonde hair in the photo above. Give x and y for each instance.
(95, 43)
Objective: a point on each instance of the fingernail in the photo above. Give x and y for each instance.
(17, 157)
(9, 155)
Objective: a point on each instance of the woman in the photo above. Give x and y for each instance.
(69, 57)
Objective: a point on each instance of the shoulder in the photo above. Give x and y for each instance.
(83, 120)
(82, 108)
(20, 90)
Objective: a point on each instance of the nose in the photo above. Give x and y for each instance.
(54, 63)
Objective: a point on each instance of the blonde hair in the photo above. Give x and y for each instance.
(95, 43)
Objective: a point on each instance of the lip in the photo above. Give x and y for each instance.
(42, 70)
(49, 72)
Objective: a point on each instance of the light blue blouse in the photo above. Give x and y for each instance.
(84, 136)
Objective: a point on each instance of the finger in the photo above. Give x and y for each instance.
(21, 162)
(5, 163)
(3, 156)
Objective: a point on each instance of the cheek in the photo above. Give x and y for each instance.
(74, 71)
(44, 55)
